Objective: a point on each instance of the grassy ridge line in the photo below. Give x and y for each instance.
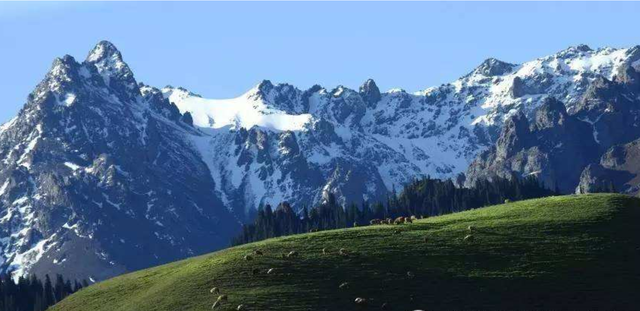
(557, 252)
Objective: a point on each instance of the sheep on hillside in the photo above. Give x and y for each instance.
(343, 252)
(361, 301)
(292, 254)
(215, 290)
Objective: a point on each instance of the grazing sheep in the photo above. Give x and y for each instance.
(343, 252)
(324, 251)
(471, 228)
(313, 230)
(408, 220)
(216, 304)
(248, 257)
(361, 301)
(292, 254)
(389, 221)
(215, 290)
(507, 201)
(223, 298)
(399, 220)
(271, 271)
(344, 285)
(414, 217)
(469, 238)
(375, 221)
(258, 252)
(241, 307)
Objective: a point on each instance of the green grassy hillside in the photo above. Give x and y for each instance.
(569, 252)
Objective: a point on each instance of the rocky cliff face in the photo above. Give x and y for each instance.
(102, 174)
(587, 148)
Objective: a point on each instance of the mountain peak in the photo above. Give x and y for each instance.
(494, 67)
(370, 91)
(104, 50)
(108, 61)
(581, 48)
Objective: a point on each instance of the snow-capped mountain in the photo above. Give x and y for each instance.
(101, 174)
(98, 177)
(363, 144)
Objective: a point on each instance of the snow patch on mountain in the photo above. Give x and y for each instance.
(235, 113)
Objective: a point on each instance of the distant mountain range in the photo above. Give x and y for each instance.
(102, 174)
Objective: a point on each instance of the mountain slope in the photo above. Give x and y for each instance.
(361, 144)
(571, 252)
(98, 178)
(566, 146)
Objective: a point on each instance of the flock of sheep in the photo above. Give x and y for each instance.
(360, 301)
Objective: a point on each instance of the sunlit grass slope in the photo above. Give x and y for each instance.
(568, 252)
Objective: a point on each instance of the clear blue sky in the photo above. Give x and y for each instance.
(221, 50)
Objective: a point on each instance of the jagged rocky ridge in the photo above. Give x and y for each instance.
(102, 174)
